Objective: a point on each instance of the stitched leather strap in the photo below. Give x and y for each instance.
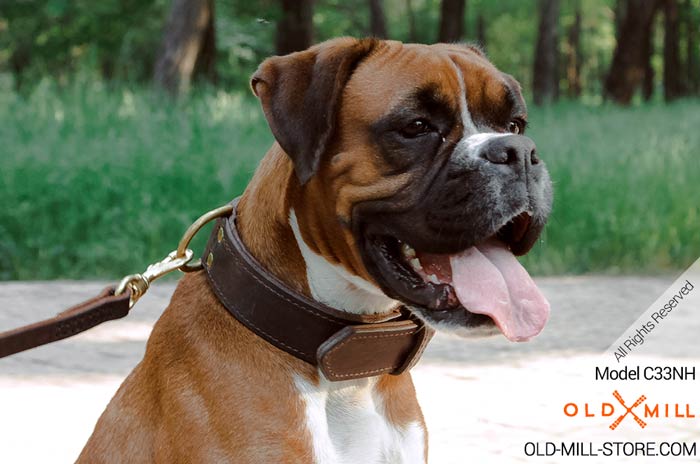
(343, 345)
(86, 315)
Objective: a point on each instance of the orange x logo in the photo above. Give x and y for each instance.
(639, 401)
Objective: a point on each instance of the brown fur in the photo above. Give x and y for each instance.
(197, 395)
(208, 389)
(355, 173)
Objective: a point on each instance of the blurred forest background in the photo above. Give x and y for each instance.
(122, 120)
(569, 48)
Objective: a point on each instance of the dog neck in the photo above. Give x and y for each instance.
(333, 285)
(269, 227)
(262, 220)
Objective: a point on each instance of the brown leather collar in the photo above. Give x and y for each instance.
(343, 345)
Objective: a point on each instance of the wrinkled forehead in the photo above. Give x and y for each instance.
(454, 77)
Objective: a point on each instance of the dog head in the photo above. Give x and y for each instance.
(415, 178)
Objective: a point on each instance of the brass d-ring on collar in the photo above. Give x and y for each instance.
(192, 230)
(179, 259)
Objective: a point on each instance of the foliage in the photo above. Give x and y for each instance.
(118, 39)
(97, 180)
(99, 175)
(245, 33)
(626, 187)
(111, 38)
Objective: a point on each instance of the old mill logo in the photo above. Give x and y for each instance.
(628, 410)
(638, 411)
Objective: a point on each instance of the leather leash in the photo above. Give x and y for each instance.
(112, 303)
(104, 307)
(344, 346)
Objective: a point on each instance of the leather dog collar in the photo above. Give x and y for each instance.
(343, 345)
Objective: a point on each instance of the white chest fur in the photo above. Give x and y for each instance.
(332, 285)
(348, 425)
(347, 420)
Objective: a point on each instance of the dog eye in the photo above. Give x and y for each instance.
(516, 127)
(416, 129)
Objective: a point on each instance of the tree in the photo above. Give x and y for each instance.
(573, 55)
(620, 13)
(647, 52)
(295, 28)
(546, 76)
(646, 49)
(377, 20)
(188, 46)
(451, 20)
(631, 51)
(673, 85)
(691, 48)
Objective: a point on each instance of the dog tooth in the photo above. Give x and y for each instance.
(415, 263)
(433, 278)
(408, 251)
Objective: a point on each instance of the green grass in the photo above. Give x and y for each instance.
(96, 182)
(627, 188)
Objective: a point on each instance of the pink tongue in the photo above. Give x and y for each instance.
(489, 280)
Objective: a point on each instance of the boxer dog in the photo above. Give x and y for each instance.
(400, 175)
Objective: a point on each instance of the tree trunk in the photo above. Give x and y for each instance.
(546, 75)
(451, 20)
(377, 20)
(620, 14)
(573, 56)
(673, 86)
(412, 32)
(188, 38)
(206, 58)
(295, 28)
(481, 30)
(631, 51)
(691, 49)
(647, 52)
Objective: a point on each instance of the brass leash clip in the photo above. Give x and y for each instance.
(139, 283)
(177, 259)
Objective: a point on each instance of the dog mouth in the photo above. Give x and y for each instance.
(480, 285)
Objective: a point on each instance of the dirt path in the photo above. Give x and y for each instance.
(483, 400)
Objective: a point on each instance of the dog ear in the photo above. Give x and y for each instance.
(300, 95)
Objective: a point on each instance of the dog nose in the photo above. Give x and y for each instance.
(511, 149)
